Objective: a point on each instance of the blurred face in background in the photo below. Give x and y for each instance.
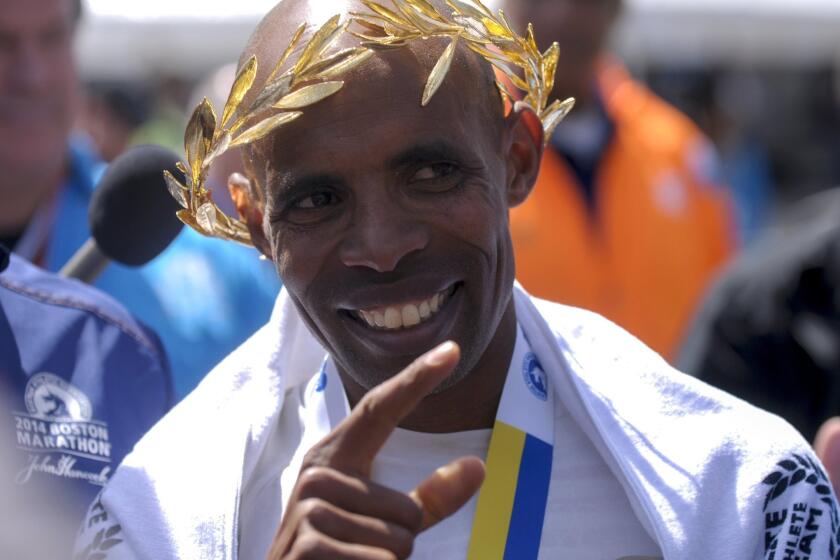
(37, 84)
(581, 27)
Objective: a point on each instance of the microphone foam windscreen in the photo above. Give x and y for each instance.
(132, 215)
(4, 258)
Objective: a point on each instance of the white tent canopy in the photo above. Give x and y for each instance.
(130, 39)
(764, 32)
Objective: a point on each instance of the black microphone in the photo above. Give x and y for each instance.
(132, 215)
(4, 257)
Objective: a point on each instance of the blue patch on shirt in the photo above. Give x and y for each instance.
(322, 380)
(534, 376)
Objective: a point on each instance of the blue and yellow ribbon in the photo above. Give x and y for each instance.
(511, 506)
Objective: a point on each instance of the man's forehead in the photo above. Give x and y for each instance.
(276, 30)
(376, 117)
(380, 98)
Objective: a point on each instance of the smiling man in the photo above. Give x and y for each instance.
(403, 369)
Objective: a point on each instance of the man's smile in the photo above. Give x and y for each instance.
(403, 324)
(407, 314)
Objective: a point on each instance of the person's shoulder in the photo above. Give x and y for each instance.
(749, 459)
(801, 252)
(648, 111)
(210, 439)
(35, 287)
(590, 334)
(657, 127)
(606, 355)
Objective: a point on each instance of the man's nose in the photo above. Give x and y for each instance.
(31, 70)
(381, 235)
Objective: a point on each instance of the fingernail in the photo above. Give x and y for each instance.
(440, 354)
(237, 178)
(447, 471)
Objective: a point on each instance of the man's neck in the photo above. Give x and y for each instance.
(472, 403)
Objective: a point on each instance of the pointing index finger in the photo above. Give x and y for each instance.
(358, 439)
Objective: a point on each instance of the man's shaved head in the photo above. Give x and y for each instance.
(276, 29)
(274, 33)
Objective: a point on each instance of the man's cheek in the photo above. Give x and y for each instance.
(281, 263)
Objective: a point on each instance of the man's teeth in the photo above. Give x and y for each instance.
(404, 316)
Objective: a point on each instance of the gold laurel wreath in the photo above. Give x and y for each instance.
(314, 75)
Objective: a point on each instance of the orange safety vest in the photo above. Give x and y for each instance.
(660, 231)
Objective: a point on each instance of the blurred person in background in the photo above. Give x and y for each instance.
(730, 105)
(165, 125)
(734, 112)
(201, 296)
(626, 218)
(81, 382)
(111, 114)
(769, 331)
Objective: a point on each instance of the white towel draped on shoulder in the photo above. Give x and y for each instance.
(708, 476)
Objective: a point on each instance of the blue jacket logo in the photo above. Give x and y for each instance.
(535, 377)
(322, 380)
(49, 397)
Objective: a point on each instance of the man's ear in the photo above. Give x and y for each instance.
(250, 211)
(524, 149)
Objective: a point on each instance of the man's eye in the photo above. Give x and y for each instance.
(316, 200)
(434, 171)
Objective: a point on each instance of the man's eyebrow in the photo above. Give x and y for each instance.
(420, 153)
(287, 185)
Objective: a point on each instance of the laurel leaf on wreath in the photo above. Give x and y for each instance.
(243, 82)
(176, 189)
(293, 43)
(338, 63)
(206, 217)
(319, 42)
(264, 127)
(199, 136)
(427, 9)
(469, 10)
(439, 72)
(308, 95)
(387, 15)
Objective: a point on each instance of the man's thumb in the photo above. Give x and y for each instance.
(447, 489)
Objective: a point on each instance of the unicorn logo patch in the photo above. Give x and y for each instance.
(535, 377)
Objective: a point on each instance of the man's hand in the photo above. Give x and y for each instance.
(336, 512)
(827, 448)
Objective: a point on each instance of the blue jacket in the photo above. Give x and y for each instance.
(82, 379)
(202, 296)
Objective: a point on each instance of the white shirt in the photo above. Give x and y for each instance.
(588, 516)
(698, 465)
